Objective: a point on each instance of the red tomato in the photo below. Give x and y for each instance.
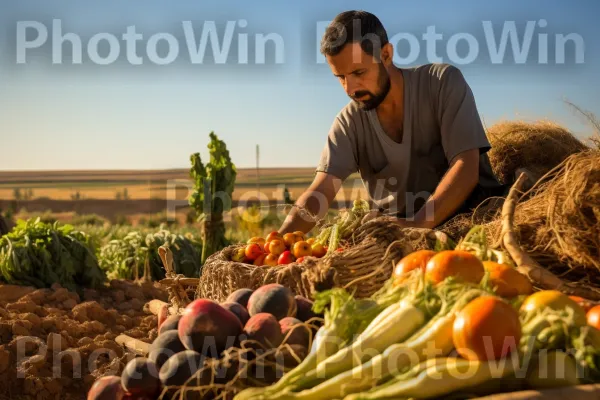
(285, 258)
(253, 251)
(488, 328)
(507, 281)
(459, 264)
(412, 261)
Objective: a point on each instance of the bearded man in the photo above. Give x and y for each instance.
(413, 134)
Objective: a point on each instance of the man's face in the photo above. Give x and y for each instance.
(364, 78)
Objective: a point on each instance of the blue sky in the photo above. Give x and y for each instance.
(125, 116)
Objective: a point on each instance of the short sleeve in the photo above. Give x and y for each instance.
(337, 156)
(460, 125)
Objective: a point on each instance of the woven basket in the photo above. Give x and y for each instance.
(364, 265)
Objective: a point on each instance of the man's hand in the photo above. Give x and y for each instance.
(316, 200)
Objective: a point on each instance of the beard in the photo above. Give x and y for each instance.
(374, 99)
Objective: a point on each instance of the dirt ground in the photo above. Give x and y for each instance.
(55, 343)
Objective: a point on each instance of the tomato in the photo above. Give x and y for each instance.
(584, 303)
(506, 280)
(318, 250)
(416, 259)
(593, 317)
(301, 249)
(239, 255)
(556, 301)
(271, 260)
(276, 247)
(285, 258)
(260, 260)
(253, 251)
(457, 263)
(299, 235)
(488, 328)
(258, 240)
(273, 235)
(289, 239)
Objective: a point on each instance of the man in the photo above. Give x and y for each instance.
(413, 134)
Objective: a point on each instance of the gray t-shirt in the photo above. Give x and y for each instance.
(440, 121)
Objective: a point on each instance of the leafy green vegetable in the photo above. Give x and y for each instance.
(40, 254)
(126, 258)
(213, 189)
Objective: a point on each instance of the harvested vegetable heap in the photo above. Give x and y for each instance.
(40, 254)
(127, 258)
(469, 327)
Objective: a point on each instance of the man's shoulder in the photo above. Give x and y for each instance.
(434, 71)
(350, 113)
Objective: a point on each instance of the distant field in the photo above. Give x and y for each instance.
(65, 191)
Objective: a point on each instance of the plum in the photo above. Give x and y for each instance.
(298, 332)
(140, 377)
(239, 310)
(107, 388)
(304, 309)
(264, 328)
(274, 299)
(207, 326)
(172, 322)
(180, 367)
(164, 346)
(240, 296)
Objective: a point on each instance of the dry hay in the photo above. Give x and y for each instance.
(364, 265)
(559, 222)
(539, 146)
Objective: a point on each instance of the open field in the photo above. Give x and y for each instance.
(147, 192)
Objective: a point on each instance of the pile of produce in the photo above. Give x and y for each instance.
(39, 254)
(136, 254)
(217, 349)
(277, 249)
(447, 323)
(54, 343)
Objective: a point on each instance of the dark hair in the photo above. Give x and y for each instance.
(351, 27)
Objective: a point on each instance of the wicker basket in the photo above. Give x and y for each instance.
(364, 265)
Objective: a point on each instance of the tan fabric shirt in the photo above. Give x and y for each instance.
(440, 121)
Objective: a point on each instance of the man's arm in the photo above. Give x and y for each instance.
(452, 191)
(316, 200)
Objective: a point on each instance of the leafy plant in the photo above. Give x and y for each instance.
(213, 189)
